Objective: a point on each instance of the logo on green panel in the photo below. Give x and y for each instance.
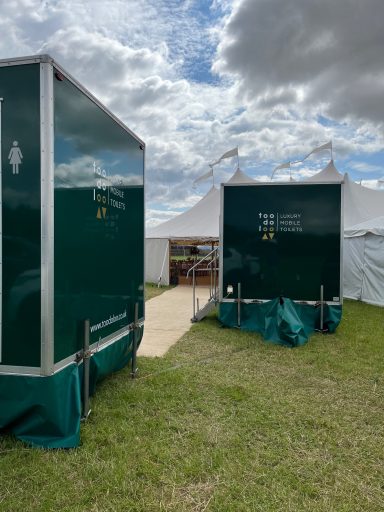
(100, 193)
(267, 225)
(101, 213)
(271, 223)
(106, 193)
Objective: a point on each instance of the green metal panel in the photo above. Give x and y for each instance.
(20, 90)
(99, 221)
(282, 240)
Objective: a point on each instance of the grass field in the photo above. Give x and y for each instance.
(224, 422)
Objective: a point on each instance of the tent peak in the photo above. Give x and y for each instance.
(239, 176)
(329, 173)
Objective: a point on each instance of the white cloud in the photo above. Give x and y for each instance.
(306, 53)
(366, 167)
(371, 183)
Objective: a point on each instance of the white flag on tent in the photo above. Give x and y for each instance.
(228, 154)
(205, 176)
(285, 165)
(327, 145)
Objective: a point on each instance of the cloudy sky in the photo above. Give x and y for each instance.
(195, 78)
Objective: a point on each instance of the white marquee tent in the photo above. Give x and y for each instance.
(363, 250)
(328, 174)
(361, 203)
(364, 259)
(198, 225)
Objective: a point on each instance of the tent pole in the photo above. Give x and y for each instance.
(86, 367)
(238, 304)
(211, 281)
(213, 276)
(162, 267)
(321, 307)
(194, 295)
(134, 343)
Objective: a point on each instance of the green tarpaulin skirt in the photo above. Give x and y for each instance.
(46, 411)
(280, 320)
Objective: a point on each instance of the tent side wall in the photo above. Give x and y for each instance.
(157, 261)
(363, 268)
(353, 263)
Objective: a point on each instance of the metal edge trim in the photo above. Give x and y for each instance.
(144, 217)
(20, 371)
(341, 243)
(297, 301)
(31, 59)
(221, 243)
(47, 217)
(98, 346)
(1, 232)
(284, 183)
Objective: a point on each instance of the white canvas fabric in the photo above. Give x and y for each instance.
(374, 226)
(240, 177)
(361, 203)
(228, 154)
(327, 145)
(364, 261)
(201, 222)
(373, 276)
(353, 267)
(328, 174)
(157, 260)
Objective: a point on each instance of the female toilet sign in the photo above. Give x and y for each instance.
(15, 156)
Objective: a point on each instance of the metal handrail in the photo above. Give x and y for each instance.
(203, 269)
(213, 284)
(210, 263)
(200, 261)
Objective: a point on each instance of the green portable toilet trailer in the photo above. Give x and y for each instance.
(71, 251)
(281, 259)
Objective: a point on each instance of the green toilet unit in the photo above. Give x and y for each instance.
(71, 250)
(281, 258)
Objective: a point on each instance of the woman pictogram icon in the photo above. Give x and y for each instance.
(14, 157)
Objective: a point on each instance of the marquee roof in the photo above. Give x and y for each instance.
(361, 203)
(201, 222)
(329, 173)
(374, 226)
